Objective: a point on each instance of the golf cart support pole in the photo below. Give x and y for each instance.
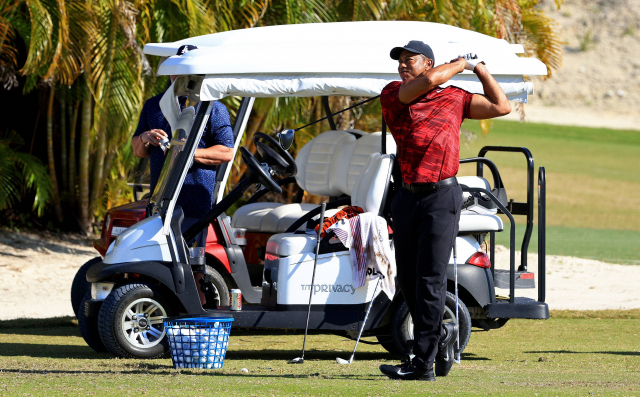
(515, 207)
(542, 233)
(239, 125)
(327, 110)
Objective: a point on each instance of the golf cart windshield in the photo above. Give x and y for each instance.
(176, 146)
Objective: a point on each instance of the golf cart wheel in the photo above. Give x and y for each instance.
(130, 322)
(219, 295)
(80, 286)
(89, 327)
(402, 325)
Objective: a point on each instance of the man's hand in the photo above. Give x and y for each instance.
(153, 137)
(142, 143)
(471, 60)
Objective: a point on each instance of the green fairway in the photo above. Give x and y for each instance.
(593, 185)
(613, 246)
(574, 353)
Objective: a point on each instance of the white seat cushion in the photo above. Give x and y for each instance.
(250, 216)
(473, 181)
(314, 162)
(287, 244)
(329, 165)
(365, 146)
(370, 187)
(471, 222)
(280, 219)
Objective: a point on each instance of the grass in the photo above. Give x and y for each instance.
(613, 246)
(593, 184)
(573, 353)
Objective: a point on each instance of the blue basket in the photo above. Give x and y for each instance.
(198, 342)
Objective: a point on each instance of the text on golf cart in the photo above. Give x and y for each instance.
(346, 288)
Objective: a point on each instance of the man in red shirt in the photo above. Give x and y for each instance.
(424, 120)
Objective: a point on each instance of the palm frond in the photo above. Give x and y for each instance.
(20, 173)
(40, 43)
(542, 39)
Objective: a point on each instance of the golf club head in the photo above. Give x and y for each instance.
(285, 137)
(342, 361)
(297, 360)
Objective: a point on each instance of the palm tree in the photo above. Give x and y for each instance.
(93, 48)
(21, 173)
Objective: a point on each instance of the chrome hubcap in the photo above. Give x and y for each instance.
(449, 317)
(142, 323)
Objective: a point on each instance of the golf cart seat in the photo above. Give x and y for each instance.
(369, 192)
(328, 165)
(471, 222)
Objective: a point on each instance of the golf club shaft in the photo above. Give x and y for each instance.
(455, 277)
(365, 318)
(313, 276)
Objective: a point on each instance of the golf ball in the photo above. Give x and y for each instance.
(244, 371)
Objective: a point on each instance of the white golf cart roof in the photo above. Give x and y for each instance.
(344, 58)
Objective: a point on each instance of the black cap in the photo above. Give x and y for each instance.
(185, 48)
(414, 46)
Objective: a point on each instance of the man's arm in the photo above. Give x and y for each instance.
(214, 155)
(494, 103)
(411, 89)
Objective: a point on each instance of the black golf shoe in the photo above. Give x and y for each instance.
(444, 358)
(411, 370)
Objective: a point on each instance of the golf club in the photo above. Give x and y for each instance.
(300, 360)
(343, 361)
(455, 282)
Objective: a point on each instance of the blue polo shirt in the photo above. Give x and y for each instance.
(196, 196)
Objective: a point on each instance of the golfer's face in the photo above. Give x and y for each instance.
(411, 65)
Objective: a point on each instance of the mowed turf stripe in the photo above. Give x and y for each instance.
(613, 246)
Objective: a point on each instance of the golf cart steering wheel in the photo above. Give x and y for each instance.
(279, 159)
(257, 172)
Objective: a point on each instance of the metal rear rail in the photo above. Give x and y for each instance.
(517, 307)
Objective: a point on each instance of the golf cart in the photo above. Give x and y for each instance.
(146, 273)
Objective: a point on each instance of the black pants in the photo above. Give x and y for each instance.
(424, 226)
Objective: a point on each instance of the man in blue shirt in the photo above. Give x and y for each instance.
(215, 147)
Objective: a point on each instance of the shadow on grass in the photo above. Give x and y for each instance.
(574, 352)
(50, 351)
(55, 326)
(313, 354)
(169, 370)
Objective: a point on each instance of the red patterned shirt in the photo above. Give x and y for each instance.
(426, 131)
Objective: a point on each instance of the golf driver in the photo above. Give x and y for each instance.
(343, 361)
(300, 360)
(455, 282)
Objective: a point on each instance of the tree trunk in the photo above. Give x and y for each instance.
(98, 158)
(63, 139)
(72, 154)
(110, 155)
(83, 182)
(52, 162)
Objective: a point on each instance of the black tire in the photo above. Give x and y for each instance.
(80, 286)
(126, 339)
(220, 295)
(402, 326)
(89, 328)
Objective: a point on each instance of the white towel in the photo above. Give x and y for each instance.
(367, 238)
